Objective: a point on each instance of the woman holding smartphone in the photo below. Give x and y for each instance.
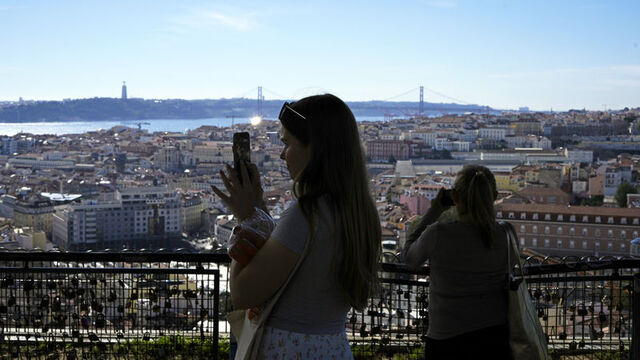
(334, 218)
(467, 258)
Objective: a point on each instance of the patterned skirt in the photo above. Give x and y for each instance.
(285, 345)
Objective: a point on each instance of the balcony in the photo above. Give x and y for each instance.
(123, 305)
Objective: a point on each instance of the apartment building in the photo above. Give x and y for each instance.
(382, 150)
(130, 218)
(572, 230)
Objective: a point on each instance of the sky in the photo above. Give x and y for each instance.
(506, 54)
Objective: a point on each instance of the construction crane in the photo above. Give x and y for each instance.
(142, 123)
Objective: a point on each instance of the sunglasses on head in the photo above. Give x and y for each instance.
(286, 107)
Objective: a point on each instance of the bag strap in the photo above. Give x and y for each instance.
(267, 309)
(513, 280)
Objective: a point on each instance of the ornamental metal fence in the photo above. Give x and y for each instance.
(172, 304)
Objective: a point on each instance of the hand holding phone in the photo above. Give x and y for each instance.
(447, 198)
(241, 152)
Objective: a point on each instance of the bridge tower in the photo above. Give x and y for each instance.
(260, 98)
(421, 110)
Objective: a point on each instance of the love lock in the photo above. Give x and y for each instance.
(562, 336)
(112, 296)
(44, 303)
(156, 308)
(93, 281)
(80, 292)
(84, 322)
(134, 295)
(153, 297)
(602, 317)
(74, 281)
(120, 308)
(573, 345)
(69, 293)
(28, 285)
(376, 330)
(146, 336)
(93, 337)
(96, 306)
(582, 344)
(363, 331)
(11, 301)
(3, 309)
(353, 319)
(100, 321)
(582, 310)
(84, 306)
(407, 295)
(167, 304)
(400, 313)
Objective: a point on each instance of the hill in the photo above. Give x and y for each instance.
(98, 109)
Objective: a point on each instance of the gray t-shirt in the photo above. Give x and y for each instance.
(312, 302)
(466, 290)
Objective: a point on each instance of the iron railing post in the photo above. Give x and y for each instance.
(634, 352)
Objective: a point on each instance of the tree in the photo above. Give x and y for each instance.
(621, 193)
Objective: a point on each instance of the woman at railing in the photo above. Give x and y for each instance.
(332, 228)
(467, 257)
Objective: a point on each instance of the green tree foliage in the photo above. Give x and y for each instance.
(621, 193)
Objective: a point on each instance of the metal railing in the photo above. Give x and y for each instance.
(172, 305)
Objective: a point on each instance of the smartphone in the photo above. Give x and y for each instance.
(447, 198)
(241, 151)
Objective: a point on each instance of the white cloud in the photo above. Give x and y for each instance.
(201, 18)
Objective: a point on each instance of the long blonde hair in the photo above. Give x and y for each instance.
(476, 191)
(337, 168)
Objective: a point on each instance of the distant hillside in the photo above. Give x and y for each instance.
(97, 109)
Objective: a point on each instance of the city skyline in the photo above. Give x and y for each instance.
(505, 55)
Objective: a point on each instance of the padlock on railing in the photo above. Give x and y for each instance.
(100, 321)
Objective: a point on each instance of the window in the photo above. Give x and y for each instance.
(623, 220)
(585, 219)
(598, 220)
(521, 241)
(597, 232)
(572, 218)
(559, 230)
(610, 220)
(623, 234)
(635, 234)
(597, 246)
(572, 244)
(636, 221)
(560, 217)
(523, 229)
(572, 231)
(584, 244)
(559, 244)
(523, 216)
(534, 242)
(535, 216)
(610, 246)
(623, 246)
(547, 217)
(512, 215)
(546, 243)
(610, 233)
(546, 229)
(585, 232)
(535, 228)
